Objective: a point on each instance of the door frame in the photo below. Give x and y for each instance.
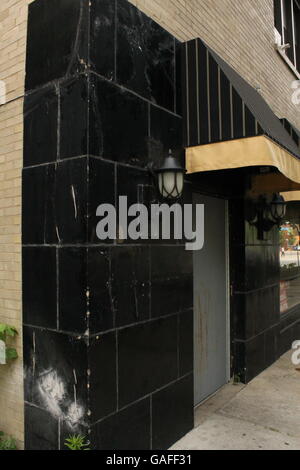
(228, 293)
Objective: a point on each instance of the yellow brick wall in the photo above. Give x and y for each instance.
(13, 22)
(242, 32)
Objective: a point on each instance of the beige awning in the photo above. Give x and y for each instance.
(291, 196)
(241, 153)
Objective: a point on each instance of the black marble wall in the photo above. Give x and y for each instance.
(108, 327)
(255, 308)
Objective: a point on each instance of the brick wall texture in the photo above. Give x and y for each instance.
(241, 32)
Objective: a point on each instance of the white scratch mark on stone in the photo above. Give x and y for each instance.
(54, 395)
(52, 390)
(33, 359)
(74, 200)
(57, 233)
(74, 414)
(75, 394)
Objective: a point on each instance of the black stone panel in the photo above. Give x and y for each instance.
(131, 284)
(147, 358)
(165, 134)
(171, 296)
(131, 183)
(100, 290)
(136, 185)
(40, 126)
(145, 56)
(118, 124)
(255, 357)
(39, 287)
(28, 350)
(57, 40)
(171, 261)
(271, 346)
(71, 201)
(38, 212)
(186, 342)
(41, 429)
(56, 369)
(250, 358)
(54, 203)
(74, 117)
(255, 312)
(73, 300)
(173, 413)
(272, 264)
(237, 225)
(102, 38)
(238, 349)
(285, 340)
(262, 266)
(128, 429)
(171, 280)
(101, 190)
(102, 376)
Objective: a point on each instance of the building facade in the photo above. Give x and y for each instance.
(109, 328)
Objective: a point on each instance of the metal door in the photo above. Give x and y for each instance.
(211, 302)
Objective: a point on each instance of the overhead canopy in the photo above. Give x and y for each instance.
(227, 122)
(246, 152)
(292, 196)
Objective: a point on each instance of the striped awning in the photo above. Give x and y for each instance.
(228, 124)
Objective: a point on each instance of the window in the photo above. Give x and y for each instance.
(289, 266)
(287, 30)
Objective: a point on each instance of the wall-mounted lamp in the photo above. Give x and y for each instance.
(170, 178)
(264, 214)
(278, 208)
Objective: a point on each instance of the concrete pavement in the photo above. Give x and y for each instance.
(264, 415)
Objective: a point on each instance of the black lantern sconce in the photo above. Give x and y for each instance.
(264, 214)
(170, 178)
(278, 208)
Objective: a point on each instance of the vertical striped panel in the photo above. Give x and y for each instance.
(213, 88)
(213, 109)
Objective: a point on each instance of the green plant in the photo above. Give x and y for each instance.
(237, 379)
(76, 442)
(5, 332)
(7, 442)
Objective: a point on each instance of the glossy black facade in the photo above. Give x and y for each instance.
(108, 328)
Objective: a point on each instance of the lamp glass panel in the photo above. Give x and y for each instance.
(180, 183)
(167, 183)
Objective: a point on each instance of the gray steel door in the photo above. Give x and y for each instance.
(211, 317)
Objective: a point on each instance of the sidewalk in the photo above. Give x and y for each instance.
(263, 415)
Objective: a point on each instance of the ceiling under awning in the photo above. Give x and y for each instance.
(227, 122)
